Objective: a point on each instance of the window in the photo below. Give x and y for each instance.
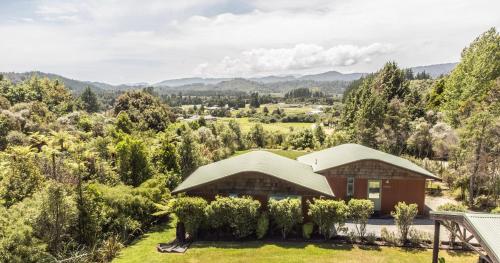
(233, 195)
(350, 186)
(280, 197)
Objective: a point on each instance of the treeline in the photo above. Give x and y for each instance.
(454, 118)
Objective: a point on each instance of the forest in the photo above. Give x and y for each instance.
(80, 177)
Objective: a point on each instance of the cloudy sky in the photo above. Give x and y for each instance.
(125, 41)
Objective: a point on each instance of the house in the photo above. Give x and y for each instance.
(259, 174)
(342, 172)
(356, 171)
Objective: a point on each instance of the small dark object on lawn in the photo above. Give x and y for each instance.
(172, 247)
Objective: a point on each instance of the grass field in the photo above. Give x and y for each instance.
(283, 127)
(144, 250)
(292, 154)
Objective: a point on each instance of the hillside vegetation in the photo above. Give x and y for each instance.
(82, 176)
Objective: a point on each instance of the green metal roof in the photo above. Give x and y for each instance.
(487, 226)
(484, 227)
(262, 162)
(349, 153)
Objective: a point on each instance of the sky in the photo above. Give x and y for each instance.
(127, 41)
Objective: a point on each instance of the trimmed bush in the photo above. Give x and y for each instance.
(329, 215)
(359, 212)
(403, 216)
(262, 225)
(286, 213)
(191, 212)
(307, 230)
(239, 214)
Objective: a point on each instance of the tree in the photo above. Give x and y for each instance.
(472, 81)
(403, 216)
(286, 213)
(478, 142)
(360, 211)
(257, 136)
(123, 123)
(319, 134)
(189, 154)
(165, 156)
(328, 215)
(89, 100)
(444, 140)
(254, 100)
(303, 139)
(20, 177)
(132, 162)
(144, 109)
(420, 141)
(235, 127)
(57, 216)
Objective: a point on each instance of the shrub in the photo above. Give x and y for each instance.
(239, 214)
(370, 238)
(286, 213)
(496, 210)
(307, 230)
(403, 216)
(329, 215)
(191, 212)
(453, 208)
(416, 237)
(389, 237)
(351, 237)
(359, 211)
(262, 225)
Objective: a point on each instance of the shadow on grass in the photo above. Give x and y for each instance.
(370, 248)
(160, 228)
(413, 250)
(259, 244)
(460, 253)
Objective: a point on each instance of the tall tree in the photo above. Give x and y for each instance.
(89, 100)
(473, 80)
(188, 152)
(132, 162)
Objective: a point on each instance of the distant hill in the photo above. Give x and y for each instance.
(333, 76)
(187, 81)
(435, 70)
(332, 82)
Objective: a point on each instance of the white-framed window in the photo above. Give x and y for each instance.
(350, 186)
(280, 197)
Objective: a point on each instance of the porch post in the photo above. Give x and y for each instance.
(435, 250)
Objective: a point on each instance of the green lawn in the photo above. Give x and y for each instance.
(283, 127)
(292, 154)
(144, 250)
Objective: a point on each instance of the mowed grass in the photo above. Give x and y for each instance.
(144, 250)
(292, 154)
(283, 127)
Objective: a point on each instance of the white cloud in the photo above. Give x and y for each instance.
(299, 57)
(133, 41)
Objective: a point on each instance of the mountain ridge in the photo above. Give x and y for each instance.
(258, 83)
